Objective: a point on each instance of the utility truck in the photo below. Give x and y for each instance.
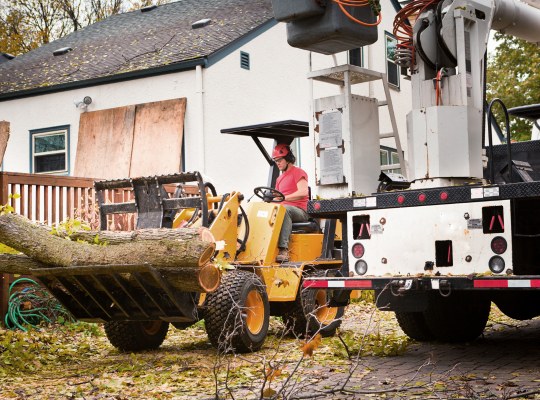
(459, 227)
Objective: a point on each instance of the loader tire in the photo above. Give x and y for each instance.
(308, 315)
(461, 317)
(136, 335)
(414, 325)
(238, 313)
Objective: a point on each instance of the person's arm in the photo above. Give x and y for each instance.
(301, 193)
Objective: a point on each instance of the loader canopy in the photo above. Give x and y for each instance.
(281, 132)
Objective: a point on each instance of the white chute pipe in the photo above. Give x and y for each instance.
(517, 19)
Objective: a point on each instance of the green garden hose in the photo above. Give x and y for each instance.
(31, 306)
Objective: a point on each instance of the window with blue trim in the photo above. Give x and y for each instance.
(49, 151)
(392, 69)
(389, 156)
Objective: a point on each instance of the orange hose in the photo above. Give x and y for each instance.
(438, 87)
(353, 4)
(356, 20)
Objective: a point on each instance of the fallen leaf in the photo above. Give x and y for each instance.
(309, 347)
(272, 373)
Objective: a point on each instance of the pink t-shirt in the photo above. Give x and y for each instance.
(287, 184)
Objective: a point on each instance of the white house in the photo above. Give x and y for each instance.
(237, 70)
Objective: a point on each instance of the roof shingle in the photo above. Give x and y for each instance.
(136, 41)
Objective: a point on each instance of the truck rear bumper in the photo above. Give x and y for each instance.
(411, 284)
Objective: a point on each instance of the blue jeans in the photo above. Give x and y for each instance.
(293, 214)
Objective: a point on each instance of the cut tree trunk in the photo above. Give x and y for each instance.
(204, 279)
(36, 243)
(140, 235)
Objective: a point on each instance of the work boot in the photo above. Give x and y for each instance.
(282, 256)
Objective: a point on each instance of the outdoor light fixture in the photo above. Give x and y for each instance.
(83, 103)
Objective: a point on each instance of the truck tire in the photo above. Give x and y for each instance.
(238, 312)
(520, 306)
(414, 325)
(308, 314)
(136, 335)
(461, 317)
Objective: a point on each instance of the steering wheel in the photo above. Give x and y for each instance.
(268, 194)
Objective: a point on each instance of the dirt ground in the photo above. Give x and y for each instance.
(76, 361)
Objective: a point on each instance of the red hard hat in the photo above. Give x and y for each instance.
(281, 150)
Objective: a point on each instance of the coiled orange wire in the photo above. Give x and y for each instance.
(356, 3)
(404, 32)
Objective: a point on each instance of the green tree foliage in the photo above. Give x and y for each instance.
(514, 77)
(27, 24)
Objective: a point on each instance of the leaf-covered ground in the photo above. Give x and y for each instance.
(77, 361)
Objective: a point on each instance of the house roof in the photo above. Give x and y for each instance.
(135, 41)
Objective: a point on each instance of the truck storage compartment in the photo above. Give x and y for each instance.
(526, 236)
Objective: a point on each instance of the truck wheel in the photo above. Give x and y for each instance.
(519, 306)
(414, 325)
(238, 312)
(308, 313)
(136, 335)
(461, 317)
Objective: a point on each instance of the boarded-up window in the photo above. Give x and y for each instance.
(143, 139)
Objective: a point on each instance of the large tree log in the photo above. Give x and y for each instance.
(36, 243)
(203, 279)
(140, 235)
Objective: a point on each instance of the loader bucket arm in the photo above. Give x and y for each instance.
(152, 204)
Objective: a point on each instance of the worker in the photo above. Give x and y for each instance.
(293, 183)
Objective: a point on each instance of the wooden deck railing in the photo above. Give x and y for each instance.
(52, 199)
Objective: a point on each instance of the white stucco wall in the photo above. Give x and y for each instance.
(274, 88)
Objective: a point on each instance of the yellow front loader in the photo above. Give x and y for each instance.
(137, 303)
(258, 286)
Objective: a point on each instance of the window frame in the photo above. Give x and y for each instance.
(295, 147)
(390, 152)
(391, 85)
(47, 131)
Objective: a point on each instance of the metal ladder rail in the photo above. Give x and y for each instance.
(394, 133)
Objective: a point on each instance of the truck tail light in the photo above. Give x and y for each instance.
(360, 267)
(496, 264)
(358, 250)
(499, 245)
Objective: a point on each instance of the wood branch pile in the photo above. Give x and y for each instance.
(181, 256)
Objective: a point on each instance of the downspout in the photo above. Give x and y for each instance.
(370, 67)
(200, 116)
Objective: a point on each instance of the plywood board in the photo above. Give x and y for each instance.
(4, 137)
(157, 138)
(105, 143)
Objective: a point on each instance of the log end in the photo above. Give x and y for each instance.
(207, 235)
(209, 278)
(207, 254)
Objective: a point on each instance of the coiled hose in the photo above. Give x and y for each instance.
(31, 306)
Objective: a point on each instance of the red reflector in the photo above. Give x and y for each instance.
(499, 245)
(422, 197)
(444, 196)
(358, 250)
(358, 284)
(400, 199)
(308, 284)
(317, 206)
(491, 283)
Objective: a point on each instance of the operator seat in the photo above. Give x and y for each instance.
(310, 226)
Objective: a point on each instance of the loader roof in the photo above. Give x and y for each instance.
(135, 44)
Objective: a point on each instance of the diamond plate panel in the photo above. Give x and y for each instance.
(459, 194)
